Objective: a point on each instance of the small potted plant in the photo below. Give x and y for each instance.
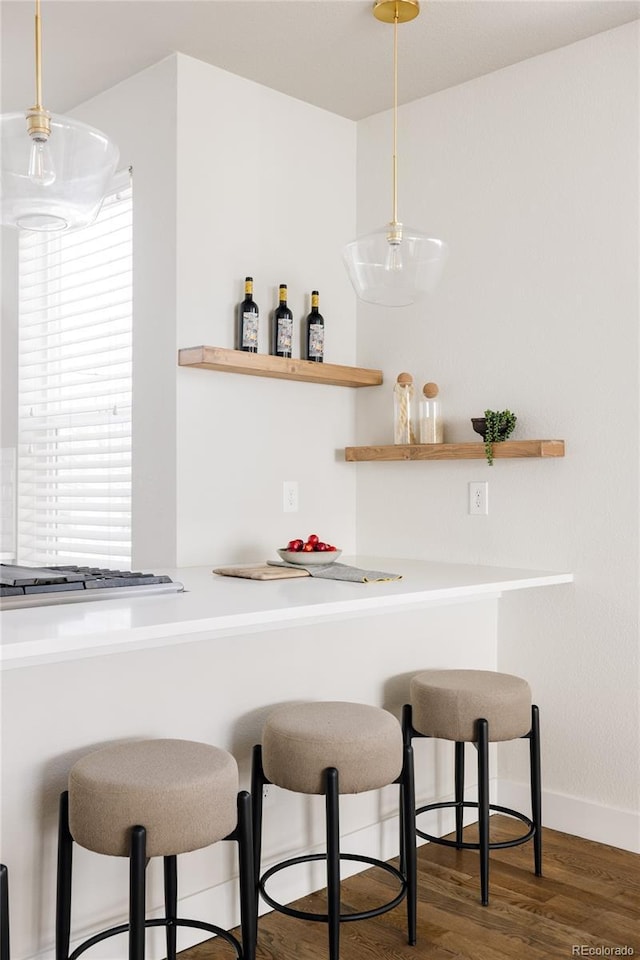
(495, 426)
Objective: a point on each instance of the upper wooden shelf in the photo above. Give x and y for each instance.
(264, 365)
(506, 449)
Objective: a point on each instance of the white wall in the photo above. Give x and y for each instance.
(232, 178)
(266, 188)
(531, 175)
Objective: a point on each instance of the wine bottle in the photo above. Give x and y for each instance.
(247, 325)
(315, 331)
(282, 328)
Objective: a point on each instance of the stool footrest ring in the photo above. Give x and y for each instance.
(324, 917)
(468, 845)
(161, 922)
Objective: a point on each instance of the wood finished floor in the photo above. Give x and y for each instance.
(589, 897)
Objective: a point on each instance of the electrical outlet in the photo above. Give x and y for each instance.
(479, 498)
(289, 496)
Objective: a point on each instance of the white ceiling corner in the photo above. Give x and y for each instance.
(332, 53)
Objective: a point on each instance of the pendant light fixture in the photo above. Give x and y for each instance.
(54, 170)
(395, 265)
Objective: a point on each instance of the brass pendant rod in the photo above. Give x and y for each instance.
(395, 116)
(38, 57)
(38, 119)
(395, 12)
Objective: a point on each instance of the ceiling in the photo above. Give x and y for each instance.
(332, 53)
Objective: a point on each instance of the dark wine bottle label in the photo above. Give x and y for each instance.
(249, 329)
(284, 335)
(316, 340)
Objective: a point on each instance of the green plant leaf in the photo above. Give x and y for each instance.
(500, 425)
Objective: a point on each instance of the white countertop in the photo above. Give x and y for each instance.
(222, 606)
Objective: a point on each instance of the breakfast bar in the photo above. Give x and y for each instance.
(208, 664)
(212, 607)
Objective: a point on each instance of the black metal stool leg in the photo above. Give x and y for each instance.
(402, 860)
(257, 783)
(63, 895)
(407, 724)
(408, 841)
(171, 903)
(536, 788)
(407, 736)
(333, 860)
(248, 891)
(459, 791)
(137, 866)
(4, 913)
(483, 807)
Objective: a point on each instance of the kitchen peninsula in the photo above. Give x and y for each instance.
(208, 664)
(213, 606)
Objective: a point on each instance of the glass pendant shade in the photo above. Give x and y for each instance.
(392, 267)
(395, 265)
(57, 183)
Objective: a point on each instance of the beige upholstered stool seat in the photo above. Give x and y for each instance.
(184, 793)
(448, 703)
(300, 741)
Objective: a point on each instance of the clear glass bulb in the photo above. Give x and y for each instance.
(41, 169)
(393, 260)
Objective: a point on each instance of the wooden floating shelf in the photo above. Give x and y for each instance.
(506, 449)
(264, 365)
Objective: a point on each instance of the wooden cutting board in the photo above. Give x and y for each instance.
(261, 571)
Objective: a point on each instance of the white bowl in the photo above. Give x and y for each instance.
(311, 557)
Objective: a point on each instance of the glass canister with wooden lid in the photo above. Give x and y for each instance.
(430, 415)
(403, 409)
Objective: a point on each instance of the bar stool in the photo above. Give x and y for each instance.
(4, 913)
(479, 707)
(154, 798)
(333, 748)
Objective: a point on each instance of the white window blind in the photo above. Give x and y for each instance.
(74, 391)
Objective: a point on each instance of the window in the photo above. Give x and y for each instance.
(74, 390)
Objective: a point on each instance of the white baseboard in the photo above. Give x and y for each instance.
(581, 818)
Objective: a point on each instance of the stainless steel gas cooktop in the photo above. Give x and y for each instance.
(36, 586)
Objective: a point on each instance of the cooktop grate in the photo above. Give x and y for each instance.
(22, 586)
